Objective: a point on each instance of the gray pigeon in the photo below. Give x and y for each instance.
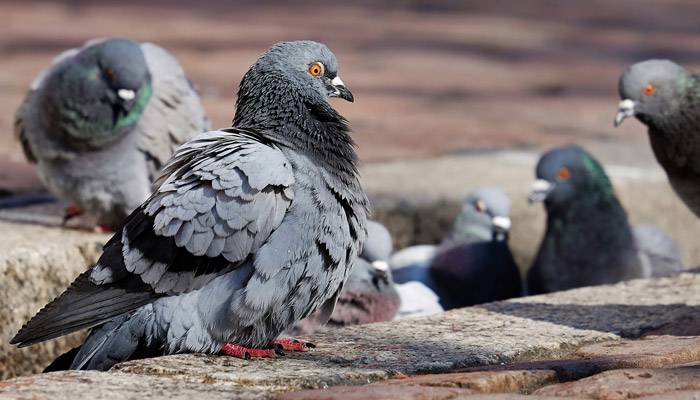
(251, 229)
(102, 121)
(666, 98)
(472, 265)
(588, 240)
(369, 294)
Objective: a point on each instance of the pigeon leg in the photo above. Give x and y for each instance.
(246, 353)
(292, 345)
(104, 228)
(71, 212)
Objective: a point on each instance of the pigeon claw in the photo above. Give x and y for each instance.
(292, 345)
(71, 212)
(246, 353)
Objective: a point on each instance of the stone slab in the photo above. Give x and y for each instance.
(36, 264)
(116, 386)
(521, 381)
(491, 334)
(628, 383)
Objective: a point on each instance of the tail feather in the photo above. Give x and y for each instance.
(84, 305)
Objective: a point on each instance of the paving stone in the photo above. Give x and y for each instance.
(382, 393)
(108, 386)
(483, 382)
(679, 328)
(653, 352)
(36, 264)
(628, 383)
(675, 395)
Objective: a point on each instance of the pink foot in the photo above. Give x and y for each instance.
(71, 212)
(246, 353)
(104, 228)
(292, 345)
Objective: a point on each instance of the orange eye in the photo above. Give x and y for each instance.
(649, 89)
(480, 206)
(563, 174)
(110, 74)
(316, 69)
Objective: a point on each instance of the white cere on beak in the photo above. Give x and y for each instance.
(624, 109)
(501, 222)
(126, 94)
(380, 265)
(337, 81)
(540, 188)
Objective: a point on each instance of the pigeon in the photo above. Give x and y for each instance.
(588, 240)
(101, 122)
(666, 98)
(368, 294)
(473, 264)
(251, 228)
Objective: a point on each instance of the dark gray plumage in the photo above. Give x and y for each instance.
(588, 240)
(251, 228)
(102, 121)
(368, 294)
(473, 264)
(666, 98)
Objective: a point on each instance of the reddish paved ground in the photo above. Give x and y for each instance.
(429, 76)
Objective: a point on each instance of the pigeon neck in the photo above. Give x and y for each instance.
(312, 127)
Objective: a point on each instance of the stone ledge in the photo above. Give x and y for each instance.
(482, 336)
(36, 264)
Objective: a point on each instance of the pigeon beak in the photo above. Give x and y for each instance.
(625, 109)
(339, 90)
(381, 269)
(126, 94)
(501, 226)
(126, 97)
(540, 190)
(501, 223)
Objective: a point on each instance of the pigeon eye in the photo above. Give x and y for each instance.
(563, 174)
(480, 205)
(316, 69)
(110, 74)
(649, 89)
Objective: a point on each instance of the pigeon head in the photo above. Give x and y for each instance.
(484, 216)
(124, 70)
(568, 177)
(378, 245)
(300, 75)
(97, 94)
(647, 89)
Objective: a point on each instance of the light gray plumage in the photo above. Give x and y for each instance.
(658, 251)
(369, 294)
(251, 229)
(102, 121)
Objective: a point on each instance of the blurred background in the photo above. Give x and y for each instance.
(430, 77)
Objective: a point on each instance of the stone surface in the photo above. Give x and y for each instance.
(675, 395)
(37, 264)
(628, 383)
(382, 393)
(104, 385)
(521, 381)
(504, 332)
(652, 352)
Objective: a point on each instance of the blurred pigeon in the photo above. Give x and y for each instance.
(369, 294)
(588, 240)
(473, 264)
(666, 98)
(103, 119)
(251, 229)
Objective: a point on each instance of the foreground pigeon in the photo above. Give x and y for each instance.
(666, 98)
(473, 264)
(102, 121)
(250, 230)
(588, 240)
(368, 294)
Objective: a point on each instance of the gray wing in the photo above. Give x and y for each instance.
(658, 251)
(220, 198)
(174, 113)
